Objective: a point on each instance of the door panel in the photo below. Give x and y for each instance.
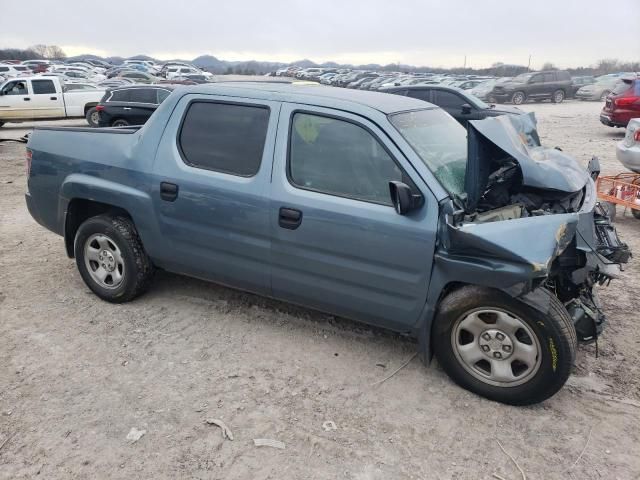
(217, 225)
(45, 100)
(350, 257)
(16, 101)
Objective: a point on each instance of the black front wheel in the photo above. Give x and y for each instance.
(111, 259)
(503, 349)
(518, 98)
(558, 96)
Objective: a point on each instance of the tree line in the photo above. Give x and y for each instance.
(35, 52)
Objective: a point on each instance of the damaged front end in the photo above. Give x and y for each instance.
(531, 215)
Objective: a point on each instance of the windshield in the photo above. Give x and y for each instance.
(523, 77)
(440, 142)
(621, 86)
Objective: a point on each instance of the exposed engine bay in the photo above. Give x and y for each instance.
(534, 205)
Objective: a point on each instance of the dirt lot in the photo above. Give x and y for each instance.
(78, 374)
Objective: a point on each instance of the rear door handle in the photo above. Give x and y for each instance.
(54, 98)
(168, 191)
(289, 218)
(126, 108)
(26, 99)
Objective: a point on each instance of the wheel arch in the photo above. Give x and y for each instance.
(449, 275)
(89, 106)
(83, 196)
(81, 209)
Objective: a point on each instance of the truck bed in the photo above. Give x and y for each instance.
(65, 159)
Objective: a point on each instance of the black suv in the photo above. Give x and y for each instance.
(458, 103)
(131, 105)
(554, 85)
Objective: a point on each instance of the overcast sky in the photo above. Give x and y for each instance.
(568, 33)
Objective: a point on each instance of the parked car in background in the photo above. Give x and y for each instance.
(554, 85)
(39, 98)
(628, 150)
(37, 66)
(8, 70)
(483, 90)
(475, 254)
(138, 77)
(131, 105)
(599, 90)
(71, 86)
(578, 82)
(467, 84)
(458, 103)
(622, 104)
(182, 71)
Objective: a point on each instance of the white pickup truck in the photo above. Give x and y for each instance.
(40, 98)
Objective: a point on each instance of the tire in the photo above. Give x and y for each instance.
(1, 124)
(120, 123)
(518, 98)
(549, 341)
(557, 96)
(605, 94)
(635, 213)
(93, 117)
(115, 241)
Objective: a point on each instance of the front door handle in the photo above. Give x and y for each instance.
(126, 108)
(54, 98)
(26, 99)
(168, 191)
(289, 218)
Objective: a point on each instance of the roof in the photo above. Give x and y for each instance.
(165, 86)
(311, 94)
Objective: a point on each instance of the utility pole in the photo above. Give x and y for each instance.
(465, 64)
(529, 64)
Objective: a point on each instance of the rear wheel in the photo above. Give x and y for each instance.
(111, 259)
(558, 96)
(500, 348)
(120, 123)
(93, 117)
(518, 98)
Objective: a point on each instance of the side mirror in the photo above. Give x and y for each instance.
(404, 200)
(466, 109)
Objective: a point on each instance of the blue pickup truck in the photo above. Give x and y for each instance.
(481, 243)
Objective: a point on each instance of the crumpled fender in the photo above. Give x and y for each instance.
(534, 241)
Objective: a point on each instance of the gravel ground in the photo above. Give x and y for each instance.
(78, 374)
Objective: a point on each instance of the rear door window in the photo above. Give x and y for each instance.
(448, 100)
(144, 95)
(121, 96)
(223, 137)
(420, 94)
(42, 87)
(549, 77)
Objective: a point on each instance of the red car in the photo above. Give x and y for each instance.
(622, 104)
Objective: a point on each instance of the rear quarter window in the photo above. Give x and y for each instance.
(224, 137)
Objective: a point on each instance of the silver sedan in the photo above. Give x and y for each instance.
(628, 150)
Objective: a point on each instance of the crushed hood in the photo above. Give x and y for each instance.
(516, 136)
